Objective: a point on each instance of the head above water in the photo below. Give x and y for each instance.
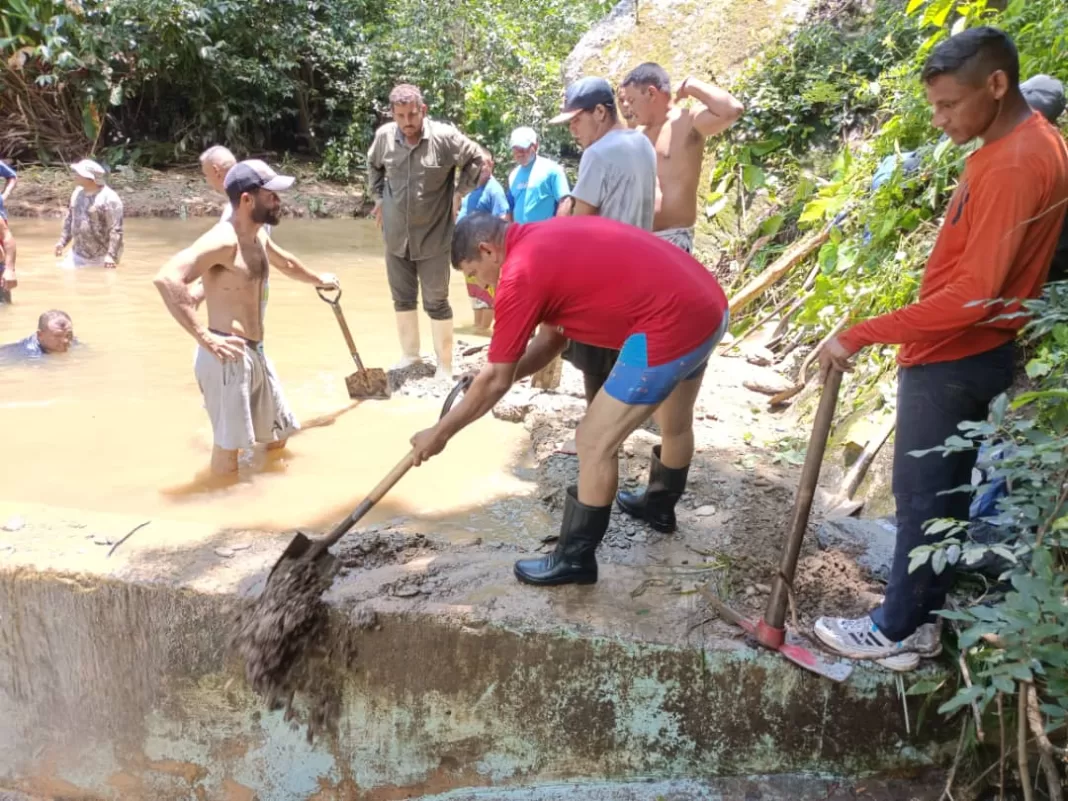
(478, 247)
(409, 110)
(55, 331)
(646, 93)
(88, 174)
(215, 162)
(253, 189)
(589, 110)
(972, 79)
(524, 144)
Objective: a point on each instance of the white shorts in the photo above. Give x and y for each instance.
(244, 400)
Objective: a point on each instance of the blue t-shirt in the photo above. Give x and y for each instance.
(489, 198)
(535, 190)
(6, 174)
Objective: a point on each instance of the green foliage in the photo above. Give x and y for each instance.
(488, 66)
(284, 74)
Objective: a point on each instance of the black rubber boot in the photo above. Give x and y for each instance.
(573, 561)
(656, 505)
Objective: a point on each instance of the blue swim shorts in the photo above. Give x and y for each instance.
(634, 382)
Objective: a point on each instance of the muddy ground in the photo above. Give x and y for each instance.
(733, 517)
(180, 192)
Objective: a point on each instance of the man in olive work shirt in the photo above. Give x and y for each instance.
(411, 170)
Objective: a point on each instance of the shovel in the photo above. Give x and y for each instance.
(302, 547)
(771, 630)
(364, 384)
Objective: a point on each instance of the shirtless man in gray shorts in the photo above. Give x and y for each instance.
(241, 392)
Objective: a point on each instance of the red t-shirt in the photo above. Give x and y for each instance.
(601, 281)
(997, 241)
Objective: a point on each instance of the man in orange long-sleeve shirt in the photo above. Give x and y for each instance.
(996, 242)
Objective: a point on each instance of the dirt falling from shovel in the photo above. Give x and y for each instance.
(292, 655)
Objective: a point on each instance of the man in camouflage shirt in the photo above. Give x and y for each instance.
(93, 221)
(412, 175)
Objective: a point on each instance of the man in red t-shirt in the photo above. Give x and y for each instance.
(610, 285)
(957, 353)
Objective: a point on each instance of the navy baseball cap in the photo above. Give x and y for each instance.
(585, 94)
(253, 174)
(1045, 95)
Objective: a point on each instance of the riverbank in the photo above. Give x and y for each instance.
(181, 192)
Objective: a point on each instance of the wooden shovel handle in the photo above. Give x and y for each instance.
(775, 614)
(385, 485)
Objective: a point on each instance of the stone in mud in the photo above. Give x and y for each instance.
(871, 542)
(399, 376)
(705, 511)
(15, 523)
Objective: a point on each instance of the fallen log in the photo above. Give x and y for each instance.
(802, 380)
(790, 258)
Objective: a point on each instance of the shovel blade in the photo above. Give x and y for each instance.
(299, 548)
(370, 384)
(801, 652)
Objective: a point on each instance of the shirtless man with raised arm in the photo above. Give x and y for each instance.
(678, 134)
(241, 392)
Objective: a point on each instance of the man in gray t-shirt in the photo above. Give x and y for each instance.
(617, 179)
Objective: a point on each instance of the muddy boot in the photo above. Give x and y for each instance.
(408, 334)
(573, 560)
(656, 505)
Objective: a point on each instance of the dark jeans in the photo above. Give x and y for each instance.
(931, 400)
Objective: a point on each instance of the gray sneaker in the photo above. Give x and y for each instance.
(860, 638)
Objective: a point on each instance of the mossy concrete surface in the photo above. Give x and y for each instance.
(115, 683)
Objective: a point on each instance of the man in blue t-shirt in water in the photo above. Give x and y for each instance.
(8, 281)
(489, 197)
(537, 186)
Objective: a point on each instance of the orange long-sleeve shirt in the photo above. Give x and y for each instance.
(997, 241)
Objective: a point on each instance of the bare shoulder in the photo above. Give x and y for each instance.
(218, 244)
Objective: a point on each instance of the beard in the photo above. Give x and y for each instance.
(261, 215)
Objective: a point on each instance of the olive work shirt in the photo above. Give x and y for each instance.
(416, 186)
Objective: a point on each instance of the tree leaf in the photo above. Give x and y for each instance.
(753, 177)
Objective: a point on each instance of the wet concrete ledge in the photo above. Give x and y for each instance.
(114, 683)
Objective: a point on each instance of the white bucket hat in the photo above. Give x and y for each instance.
(87, 168)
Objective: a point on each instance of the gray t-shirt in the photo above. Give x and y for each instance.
(617, 174)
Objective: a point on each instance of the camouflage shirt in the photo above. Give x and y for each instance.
(416, 185)
(94, 223)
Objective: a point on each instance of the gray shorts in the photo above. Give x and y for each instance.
(244, 400)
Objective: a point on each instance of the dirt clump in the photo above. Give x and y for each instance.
(284, 642)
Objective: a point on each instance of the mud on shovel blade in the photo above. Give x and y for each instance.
(302, 548)
(365, 383)
(771, 631)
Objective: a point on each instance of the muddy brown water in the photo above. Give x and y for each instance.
(117, 425)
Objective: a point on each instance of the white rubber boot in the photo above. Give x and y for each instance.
(408, 334)
(442, 333)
